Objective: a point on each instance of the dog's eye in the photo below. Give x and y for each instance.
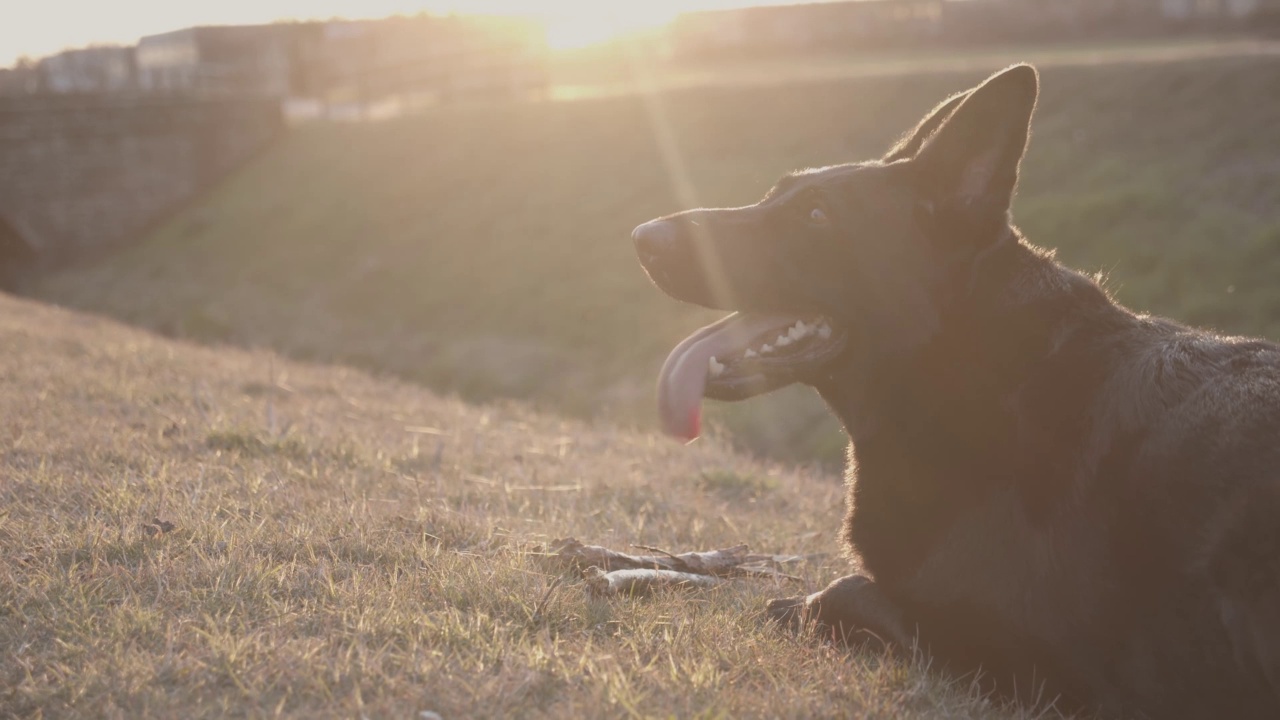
(818, 217)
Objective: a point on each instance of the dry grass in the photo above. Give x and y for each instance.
(193, 532)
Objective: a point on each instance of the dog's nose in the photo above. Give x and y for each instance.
(654, 238)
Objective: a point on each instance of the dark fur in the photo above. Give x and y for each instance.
(1043, 485)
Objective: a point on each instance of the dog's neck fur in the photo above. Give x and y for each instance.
(993, 400)
(1008, 311)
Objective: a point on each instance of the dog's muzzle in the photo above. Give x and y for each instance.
(653, 240)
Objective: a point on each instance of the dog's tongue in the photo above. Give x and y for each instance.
(684, 375)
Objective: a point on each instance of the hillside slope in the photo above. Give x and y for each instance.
(192, 532)
(484, 249)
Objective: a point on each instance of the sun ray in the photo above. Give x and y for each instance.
(674, 163)
(682, 185)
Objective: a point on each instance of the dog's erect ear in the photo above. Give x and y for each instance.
(974, 155)
(909, 145)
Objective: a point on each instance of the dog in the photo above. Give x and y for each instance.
(1062, 496)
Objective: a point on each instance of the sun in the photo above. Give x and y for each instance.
(578, 29)
(575, 24)
(579, 23)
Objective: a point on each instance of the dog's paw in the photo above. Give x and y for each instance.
(787, 612)
(851, 610)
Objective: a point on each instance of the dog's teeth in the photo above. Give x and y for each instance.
(716, 368)
(824, 331)
(750, 354)
(782, 341)
(766, 349)
(798, 331)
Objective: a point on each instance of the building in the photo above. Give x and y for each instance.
(445, 56)
(1214, 10)
(87, 70)
(221, 60)
(24, 78)
(364, 53)
(489, 55)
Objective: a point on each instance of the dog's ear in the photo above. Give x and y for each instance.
(911, 143)
(974, 155)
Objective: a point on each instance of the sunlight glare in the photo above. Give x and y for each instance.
(568, 29)
(570, 23)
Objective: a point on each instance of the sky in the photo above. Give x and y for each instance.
(45, 27)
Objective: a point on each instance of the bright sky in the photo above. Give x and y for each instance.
(46, 26)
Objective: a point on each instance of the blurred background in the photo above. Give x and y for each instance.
(444, 191)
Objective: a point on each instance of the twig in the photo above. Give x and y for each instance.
(727, 562)
(660, 551)
(425, 430)
(643, 581)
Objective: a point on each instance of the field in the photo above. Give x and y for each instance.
(483, 250)
(189, 532)
(271, 513)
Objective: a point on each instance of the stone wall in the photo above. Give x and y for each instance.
(82, 173)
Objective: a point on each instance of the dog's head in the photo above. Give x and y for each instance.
(857, 255)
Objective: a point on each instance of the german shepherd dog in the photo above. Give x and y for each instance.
(1047, 488)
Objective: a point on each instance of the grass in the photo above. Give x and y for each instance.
(483, 250)
(190, 532)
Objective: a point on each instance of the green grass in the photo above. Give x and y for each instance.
(188, 532)
(483, 250)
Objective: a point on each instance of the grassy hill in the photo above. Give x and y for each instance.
(187, 532)
(484, 250)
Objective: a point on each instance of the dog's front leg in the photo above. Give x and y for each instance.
(852, 610)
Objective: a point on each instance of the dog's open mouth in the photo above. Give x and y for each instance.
(740, 356)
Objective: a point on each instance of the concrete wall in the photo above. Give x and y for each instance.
(80, 173)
